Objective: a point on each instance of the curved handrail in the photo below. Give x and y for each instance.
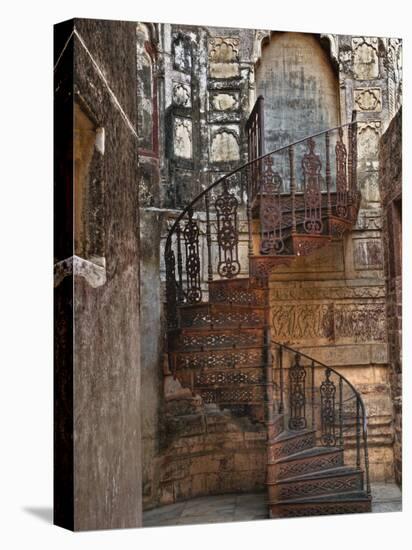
(355, 391)
(359, 402)
(242, 167)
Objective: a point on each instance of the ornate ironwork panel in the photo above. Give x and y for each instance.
(327, 410)
(191, 238)
(311, 166)
(226, 205)
(270, 210)
(341, 177)
(297, 395)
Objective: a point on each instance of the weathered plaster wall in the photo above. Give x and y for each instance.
(105, 375)
(208, 81)
(390, 175)
(300, 88)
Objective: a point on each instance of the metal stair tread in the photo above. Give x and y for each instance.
(289, 434)
(354, 496)
(337, 471)
(306, 453)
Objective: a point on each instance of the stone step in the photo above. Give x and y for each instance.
(342, 479)
(200, 339)
(336, 503)
(244, 291)
(289, 443)
(305, 462)
(215, 360)
(222, 316)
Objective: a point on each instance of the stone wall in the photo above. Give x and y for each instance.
(207, 83)
(391, 191)
(97, 391)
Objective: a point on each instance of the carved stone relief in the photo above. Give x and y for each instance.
(360, 322)
(224, 146)
(182, 137)
(182, 54)
(223, 49)
(368, 99)
(365, 58)
(394, 67)
(181, 95)
(302, 321)
(222, 101)
(223, 57)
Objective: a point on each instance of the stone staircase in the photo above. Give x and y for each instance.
(304, 479)
(219, 337)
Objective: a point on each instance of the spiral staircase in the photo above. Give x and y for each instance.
(219, 254)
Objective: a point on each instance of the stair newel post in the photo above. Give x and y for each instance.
(208, 240)
(358, 430)
(328, 176)
(292, 185)
(179, 263)
(312, 399)
(281, 382)
(341, 412)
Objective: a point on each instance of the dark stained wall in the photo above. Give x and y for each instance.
(105, 373)
(299, 86)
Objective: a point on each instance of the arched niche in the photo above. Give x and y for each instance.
(297, 75)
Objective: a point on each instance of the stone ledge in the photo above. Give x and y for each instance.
(93, 272)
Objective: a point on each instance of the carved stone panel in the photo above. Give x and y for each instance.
(223, 57)
(224, 101)
(365, 58)
(223, 49)
(182, 138)
(368, 99)
(182, 54)
(367, 254)
(224, 146)
(302, 322)
(360, 322)
(181, 95)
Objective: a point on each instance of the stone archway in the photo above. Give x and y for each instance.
(296, 77)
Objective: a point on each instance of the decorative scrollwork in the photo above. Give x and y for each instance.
(191, 238)
(270, 210)
(227, 233)
(327, 408)
(311, 166)
(341, 177)
(297, 397)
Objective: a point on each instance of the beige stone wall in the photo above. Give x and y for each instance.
(332, 306)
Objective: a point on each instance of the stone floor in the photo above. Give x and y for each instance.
(386, 497)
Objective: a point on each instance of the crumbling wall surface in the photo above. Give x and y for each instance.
(390, 176)
(106, 370)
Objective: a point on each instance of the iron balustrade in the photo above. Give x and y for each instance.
(312, 395)
(297, 198)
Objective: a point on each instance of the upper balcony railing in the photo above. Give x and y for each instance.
(298, 197)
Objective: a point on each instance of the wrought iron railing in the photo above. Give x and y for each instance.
(297, 197)
(311, 395)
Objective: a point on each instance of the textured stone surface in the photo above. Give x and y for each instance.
(104, 375)
(390, 176)
(386, 497)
